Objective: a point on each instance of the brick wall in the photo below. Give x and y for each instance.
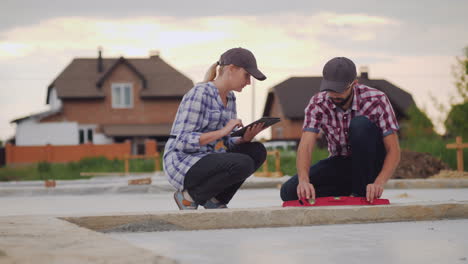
(291, 129)
(100, 111)
(151, 147)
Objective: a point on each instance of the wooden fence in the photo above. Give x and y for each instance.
(59, 154)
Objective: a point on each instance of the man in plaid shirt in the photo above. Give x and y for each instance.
(360, 127)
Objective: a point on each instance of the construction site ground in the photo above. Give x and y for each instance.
(105, 220)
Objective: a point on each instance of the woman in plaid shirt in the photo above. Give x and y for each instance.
(202, 174)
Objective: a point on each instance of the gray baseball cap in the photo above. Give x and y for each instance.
(242, 58)
(338, 73)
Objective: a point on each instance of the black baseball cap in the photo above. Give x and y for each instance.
(338, 73)
(243, 58)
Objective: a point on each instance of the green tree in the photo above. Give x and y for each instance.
(457, 119)
(1, 143)
(460, 73)
(417, 125)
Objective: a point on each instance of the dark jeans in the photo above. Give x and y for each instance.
(220, 175)
(340, 175)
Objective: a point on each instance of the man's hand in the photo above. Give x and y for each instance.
(304, 155)
(305, 190)
(374, 190)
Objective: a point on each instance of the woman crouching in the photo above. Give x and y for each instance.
(202, 174)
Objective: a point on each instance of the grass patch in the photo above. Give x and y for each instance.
(288, 160)
(436, 146)
(71, 170)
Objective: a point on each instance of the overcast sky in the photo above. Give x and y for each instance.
(409, 43)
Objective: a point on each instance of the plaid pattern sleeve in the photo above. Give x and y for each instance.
(387, 121)
(313, 116)
(229, 141)
(187, 122)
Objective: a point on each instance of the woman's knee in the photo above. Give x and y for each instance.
(243, 164)
(260, 152)
(255, 150)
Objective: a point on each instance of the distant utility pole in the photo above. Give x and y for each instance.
(253, 99)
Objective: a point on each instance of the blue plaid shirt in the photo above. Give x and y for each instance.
(200, 111)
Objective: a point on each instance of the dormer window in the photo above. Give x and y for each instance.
(122, 95)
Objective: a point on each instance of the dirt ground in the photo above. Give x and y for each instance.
(423, 165)
(450, 174)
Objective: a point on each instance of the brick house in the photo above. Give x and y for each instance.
(107, 100)
(289, 99)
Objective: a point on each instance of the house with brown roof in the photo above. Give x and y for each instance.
(107, 100)
(289, 99)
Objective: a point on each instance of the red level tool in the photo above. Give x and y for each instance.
(341, 200)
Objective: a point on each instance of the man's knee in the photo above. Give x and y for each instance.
(360, 122)
(361, 127)
(288, 190)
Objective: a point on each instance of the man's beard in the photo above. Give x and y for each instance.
(342, 101)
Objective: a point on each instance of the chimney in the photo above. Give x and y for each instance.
(100, 66)
(364, 72)
(154, 53)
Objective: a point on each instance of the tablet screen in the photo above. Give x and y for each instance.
(269, 121)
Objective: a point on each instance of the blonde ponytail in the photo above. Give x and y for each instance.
(210, 75)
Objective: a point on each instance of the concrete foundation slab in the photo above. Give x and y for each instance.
(422, 242)
(272, 217)
(47, 240)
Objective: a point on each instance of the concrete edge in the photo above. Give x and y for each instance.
(391, 184)
(426, 183)
(271, 217)
(160, 188)
(91, 190)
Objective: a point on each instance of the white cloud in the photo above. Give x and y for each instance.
(359, 19)
(285, 45)
(169, 33)
(12, 49)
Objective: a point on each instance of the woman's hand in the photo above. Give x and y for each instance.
(233, 123)
(252, 131)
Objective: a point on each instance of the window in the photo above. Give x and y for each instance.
(279, 132)
(86, 135)
(122, 95)
(90, 135)
(81, 136)
(140, 149)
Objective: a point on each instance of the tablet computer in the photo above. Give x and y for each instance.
(269, 121)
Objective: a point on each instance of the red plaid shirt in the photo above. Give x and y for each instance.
(323, 114)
